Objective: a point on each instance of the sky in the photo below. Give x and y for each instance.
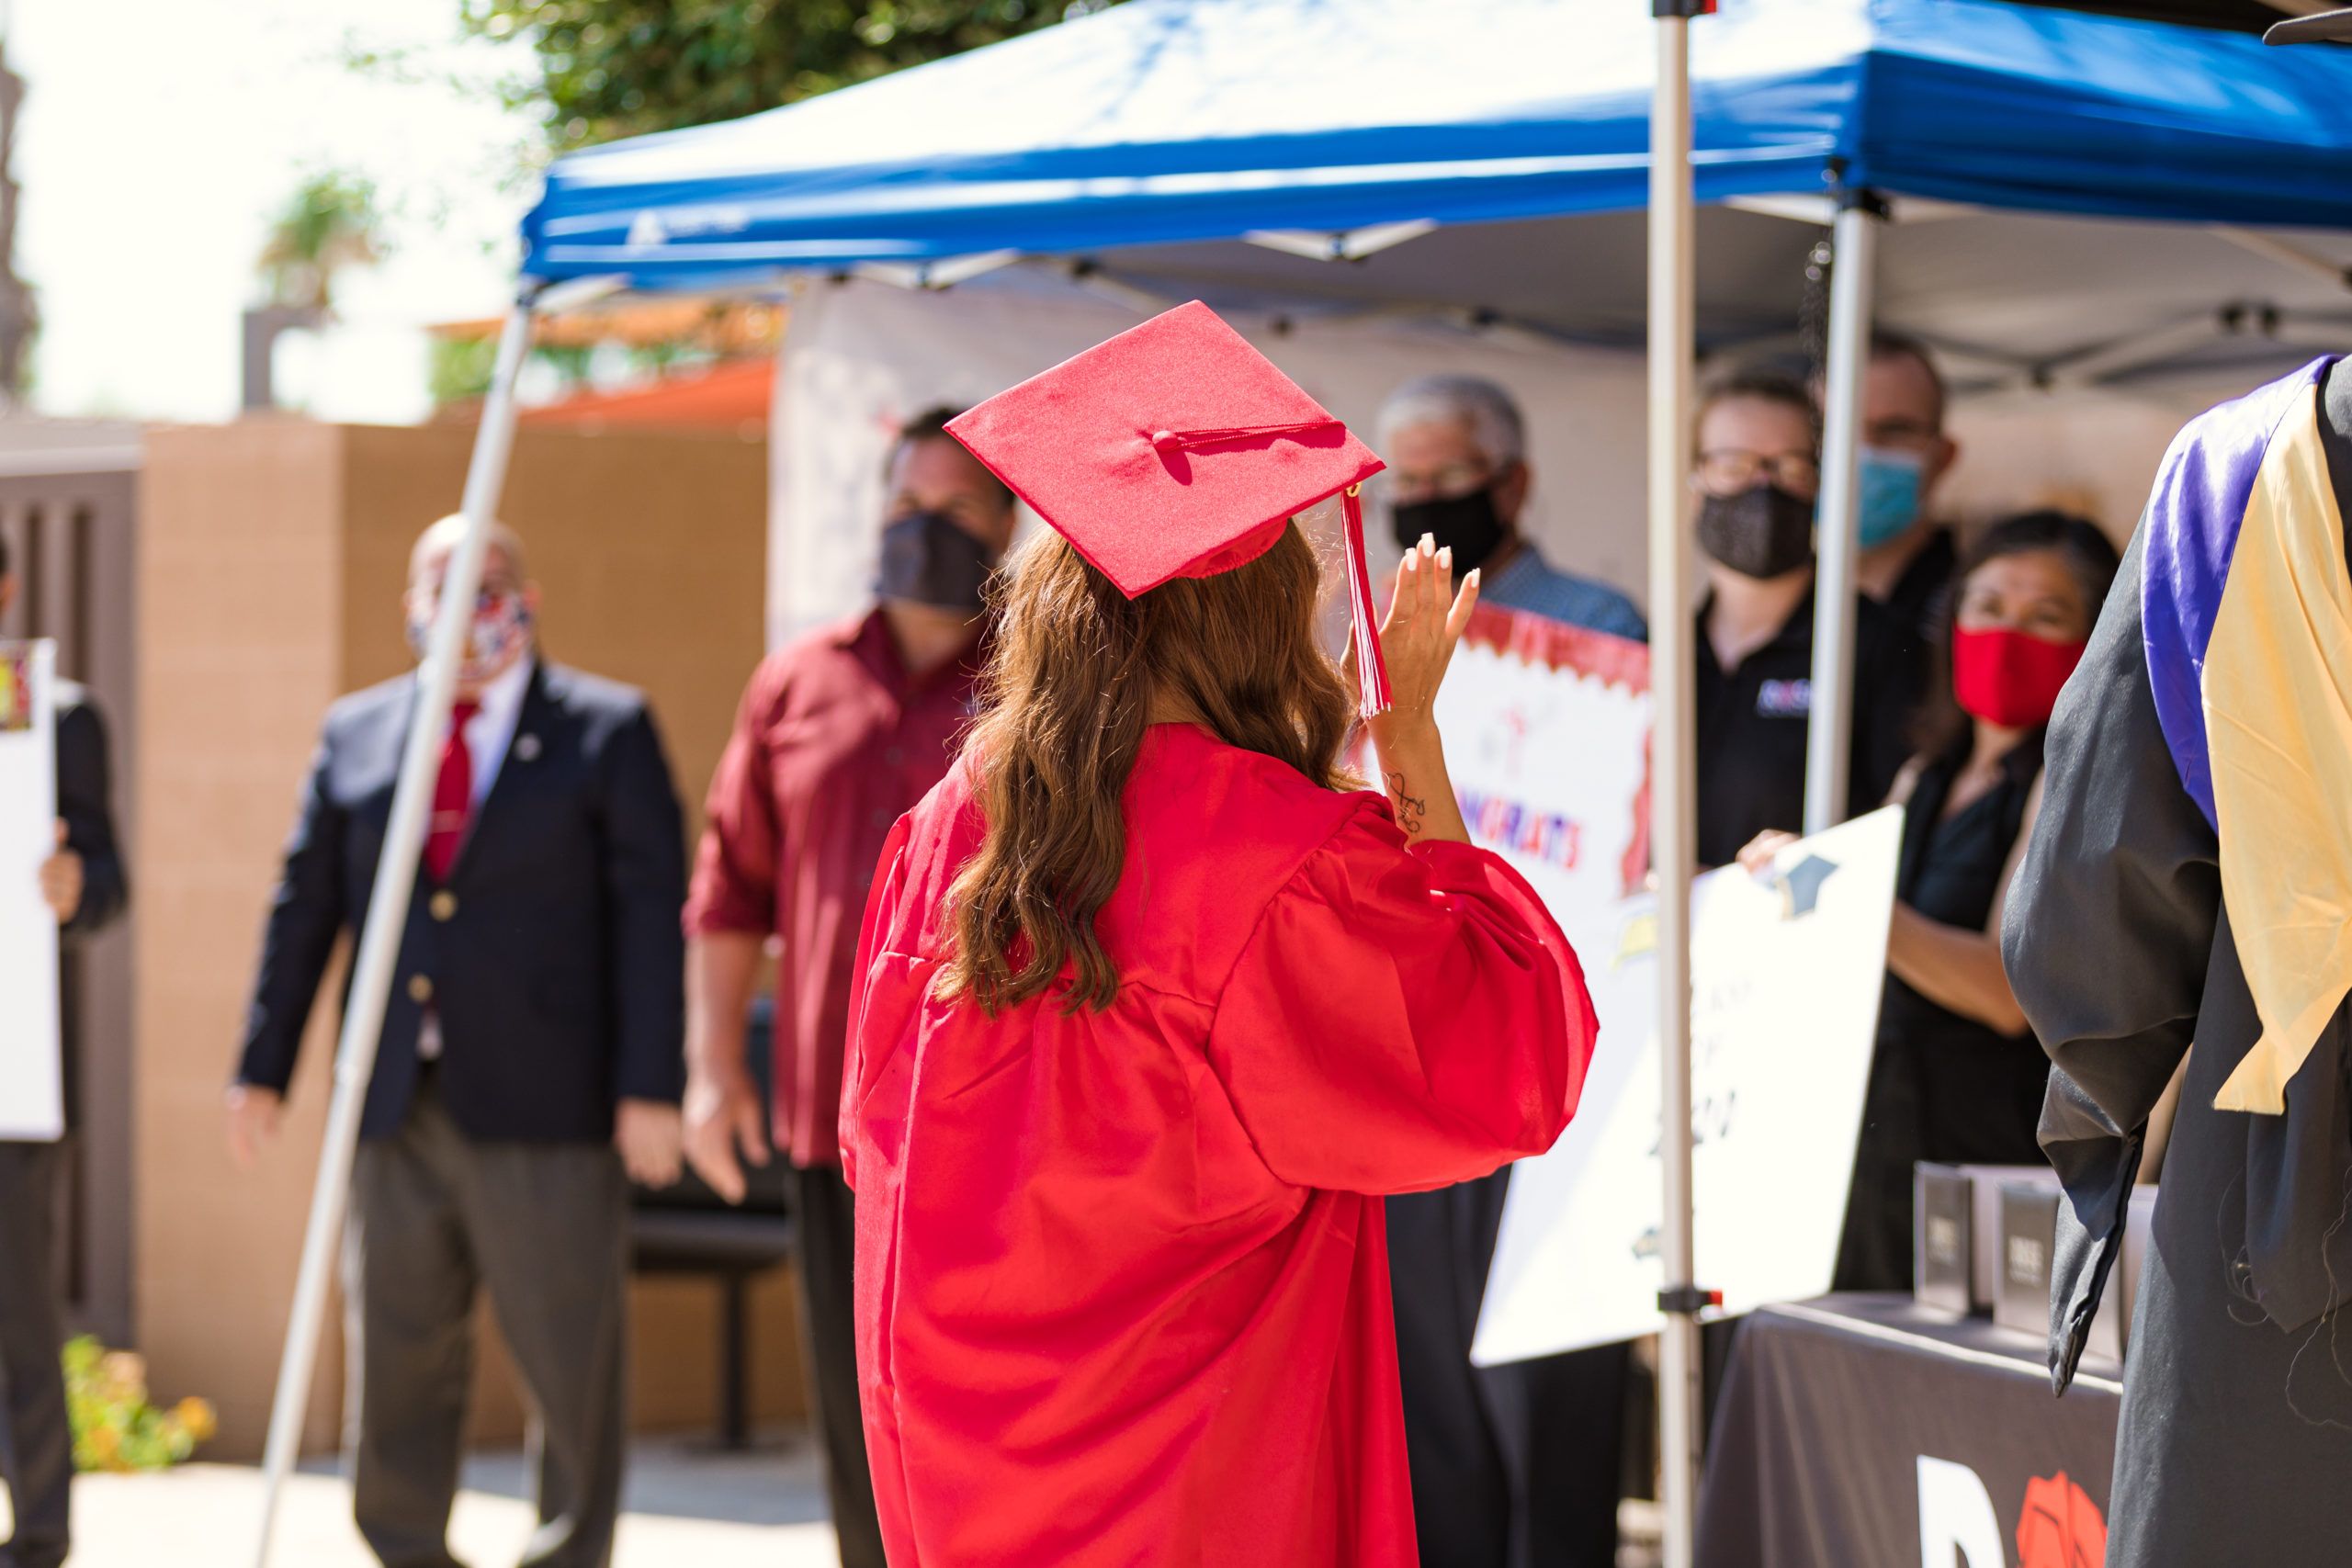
(159, 136)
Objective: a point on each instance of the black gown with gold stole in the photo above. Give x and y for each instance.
(2190, 880)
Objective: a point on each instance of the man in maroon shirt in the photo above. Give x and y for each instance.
(839, 734)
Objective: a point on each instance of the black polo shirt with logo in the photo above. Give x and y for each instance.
(1751, 725)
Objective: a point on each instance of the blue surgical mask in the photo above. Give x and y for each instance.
(1889, 494)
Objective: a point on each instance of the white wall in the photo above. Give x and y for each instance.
(2091, 452)
(860, 357)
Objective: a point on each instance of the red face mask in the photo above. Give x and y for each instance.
(2008, 678)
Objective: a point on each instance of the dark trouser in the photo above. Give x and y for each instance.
(435, 1217)
(1517, 1466)
(32, 1331)
(827, 1211)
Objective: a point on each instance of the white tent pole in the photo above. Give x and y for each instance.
(371, 974)
(1828, 741)
(1673, 812)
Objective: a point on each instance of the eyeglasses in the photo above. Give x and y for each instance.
(1442, 484)
(488, 597)
(1901, 433)
(1730, 471)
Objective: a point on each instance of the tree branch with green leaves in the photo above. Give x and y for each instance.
(615, 68)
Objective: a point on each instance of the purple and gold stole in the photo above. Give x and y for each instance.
(2246, 607)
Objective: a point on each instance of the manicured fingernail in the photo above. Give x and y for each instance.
(1412, 561)
(1473, 577)
(1445, 558)
(1428, 543)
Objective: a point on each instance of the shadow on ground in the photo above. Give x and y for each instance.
(780, 1480)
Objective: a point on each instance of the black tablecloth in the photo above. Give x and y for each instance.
(1841, 1418)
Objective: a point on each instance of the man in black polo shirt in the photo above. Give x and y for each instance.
(1758, 476)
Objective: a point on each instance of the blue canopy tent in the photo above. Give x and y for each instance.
(1494, 158)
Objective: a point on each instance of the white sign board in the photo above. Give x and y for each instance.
(32, 1067)
(1785, 980)
(1548, 732)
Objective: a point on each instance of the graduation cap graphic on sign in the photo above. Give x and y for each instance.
(1800, 885)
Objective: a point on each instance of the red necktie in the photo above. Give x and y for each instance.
(453, 797)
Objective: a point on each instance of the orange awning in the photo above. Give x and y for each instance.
(731, 394)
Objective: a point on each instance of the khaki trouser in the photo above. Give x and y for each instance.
(434, 1217)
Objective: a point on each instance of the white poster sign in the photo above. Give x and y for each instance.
(1785, 977)
(1547, 733)
(31, 1067)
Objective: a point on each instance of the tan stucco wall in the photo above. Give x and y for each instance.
(272, 558)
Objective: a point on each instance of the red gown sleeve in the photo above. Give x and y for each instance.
(889, 875)
(1401, 1019)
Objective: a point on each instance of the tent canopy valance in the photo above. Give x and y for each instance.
(1168, 121)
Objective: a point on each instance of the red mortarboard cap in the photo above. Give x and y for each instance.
(1175, 449)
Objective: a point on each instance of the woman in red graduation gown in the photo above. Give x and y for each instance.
(1155, 1005)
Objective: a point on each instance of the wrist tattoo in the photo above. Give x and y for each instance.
(1411, 809)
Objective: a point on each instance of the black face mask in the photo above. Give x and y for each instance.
(1467, 525)
(926, 559)
(1760, 532)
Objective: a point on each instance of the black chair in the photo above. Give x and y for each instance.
(689, 1229)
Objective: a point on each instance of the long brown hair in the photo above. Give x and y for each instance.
(1069, 684)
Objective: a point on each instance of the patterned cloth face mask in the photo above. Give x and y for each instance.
(500, 634)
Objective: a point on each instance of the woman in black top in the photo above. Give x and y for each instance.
(1957, 1076)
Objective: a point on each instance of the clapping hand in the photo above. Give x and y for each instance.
(1426, 617)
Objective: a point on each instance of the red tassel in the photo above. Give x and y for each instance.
(1372, 670)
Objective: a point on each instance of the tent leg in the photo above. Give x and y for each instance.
(1829, 741)
(363, 1018)
(1673, 810)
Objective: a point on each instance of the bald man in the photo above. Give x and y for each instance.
(532, 1057)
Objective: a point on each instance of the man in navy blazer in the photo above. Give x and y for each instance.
(531, 1060)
